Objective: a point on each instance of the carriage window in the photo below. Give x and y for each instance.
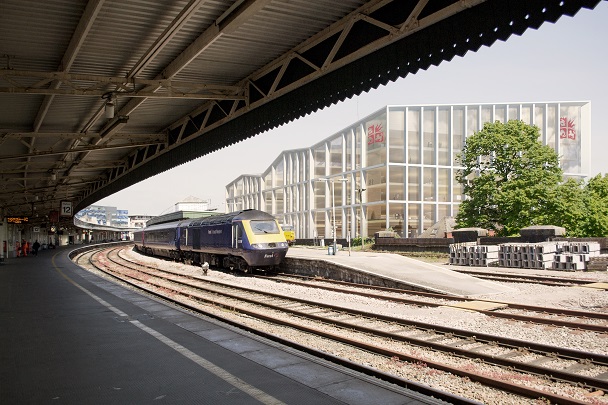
(262, 227)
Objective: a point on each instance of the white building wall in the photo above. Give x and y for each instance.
(405, 160)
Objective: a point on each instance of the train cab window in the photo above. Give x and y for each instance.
(183, 236)
(262, 227)
(237, 236)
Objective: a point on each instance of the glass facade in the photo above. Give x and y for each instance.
(397, 167)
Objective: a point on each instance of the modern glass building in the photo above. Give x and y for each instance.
(397, 167)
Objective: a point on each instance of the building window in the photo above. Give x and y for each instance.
(397, 218)
(376, 184)
(413, 184)
(320, 193)
(552, 122)
(397, 136)
(472, 120)
(320, 161)
(413, 220)
(457, 133)
(526, 114)
(443, 136)
(499, 113)
(429, 216)
(570, 139)
(358, 147)
(279, 174)
(443, 210)
(335, 156)
(428, 145)
(413, 136)
(396, 185)
(443, 185)
(376, 218)
(319, 218)
(428, 187)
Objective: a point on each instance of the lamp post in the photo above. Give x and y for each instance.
(360, 191)
(333, 206)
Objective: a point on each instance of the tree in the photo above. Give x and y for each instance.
(596, 202)
(566, 207)
(508, 176)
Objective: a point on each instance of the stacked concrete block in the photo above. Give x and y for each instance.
(544, 255)
(567, 256)
(470, 254)
(511, 254)
(574, 256)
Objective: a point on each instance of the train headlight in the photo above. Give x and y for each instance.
(257, 246)
(282, 244)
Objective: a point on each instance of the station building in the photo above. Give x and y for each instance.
(397, 167)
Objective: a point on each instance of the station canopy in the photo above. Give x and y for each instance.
(97, 95)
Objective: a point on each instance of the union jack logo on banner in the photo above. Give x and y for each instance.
(375, 134)
(567, 129)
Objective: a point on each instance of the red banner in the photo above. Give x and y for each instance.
(375, 134)
(54, 216)
(567, 129)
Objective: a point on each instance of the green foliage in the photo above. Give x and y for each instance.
(596, 203)
(565, 207)
(357, 241)
(512, 181)
(508, 177)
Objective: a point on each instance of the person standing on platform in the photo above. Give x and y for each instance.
(24, 247)
(35, 247)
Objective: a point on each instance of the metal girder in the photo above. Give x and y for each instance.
(275, 72)
(96, 86)
(90, 148)
(61, 133)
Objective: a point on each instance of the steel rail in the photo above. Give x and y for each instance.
(533, 308)
(506, 386)
(488, 339)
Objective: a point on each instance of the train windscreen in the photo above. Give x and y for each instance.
(263, 227)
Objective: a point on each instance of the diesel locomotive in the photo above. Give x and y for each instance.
(243, 240)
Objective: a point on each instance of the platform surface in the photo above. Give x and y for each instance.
(414, 272)
(70, 337)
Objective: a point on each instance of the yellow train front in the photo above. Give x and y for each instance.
(290, 234)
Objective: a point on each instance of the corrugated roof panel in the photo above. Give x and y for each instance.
(265, 37)
(18, 112)
(157, 114)
(70, 113)
(122, 33)
(30, 34)
(36, 34)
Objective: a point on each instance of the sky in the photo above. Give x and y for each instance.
(565, 61)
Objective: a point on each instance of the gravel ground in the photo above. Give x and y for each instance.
(533, 294)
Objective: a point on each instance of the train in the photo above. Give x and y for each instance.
(290, 234)
(242, 240)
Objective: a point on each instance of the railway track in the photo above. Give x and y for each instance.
(561, 317)
(524, 278)
(389, 336)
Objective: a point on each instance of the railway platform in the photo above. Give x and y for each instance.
(68, 336)
(389, 269)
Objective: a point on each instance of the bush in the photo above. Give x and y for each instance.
(357, 241)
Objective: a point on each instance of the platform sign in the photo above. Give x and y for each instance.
(66, 209)
(17, 220)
